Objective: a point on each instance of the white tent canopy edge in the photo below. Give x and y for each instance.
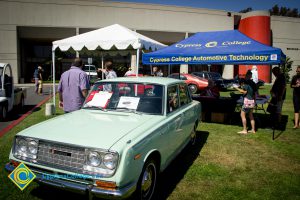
(108, 38)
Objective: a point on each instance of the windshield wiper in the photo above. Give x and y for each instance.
(95, 108)
(128, 109)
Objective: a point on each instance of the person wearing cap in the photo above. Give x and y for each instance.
(38, 79)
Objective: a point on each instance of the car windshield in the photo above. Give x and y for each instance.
(91, 68)
(126, 97)
(215, 76)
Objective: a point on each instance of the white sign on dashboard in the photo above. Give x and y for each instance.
(100, 99)
(128, 102)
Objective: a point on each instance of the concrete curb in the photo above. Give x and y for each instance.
(16, 122)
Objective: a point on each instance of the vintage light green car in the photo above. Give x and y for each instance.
(128, 130)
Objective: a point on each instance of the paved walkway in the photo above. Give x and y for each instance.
(31, 100)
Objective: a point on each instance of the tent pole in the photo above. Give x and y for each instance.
(53, 77)
(137, 61)
(102, 65)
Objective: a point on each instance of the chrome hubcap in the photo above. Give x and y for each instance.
(193, 137)
(148, 180)
(193, 88)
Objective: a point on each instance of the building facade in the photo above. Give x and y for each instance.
(28, 28)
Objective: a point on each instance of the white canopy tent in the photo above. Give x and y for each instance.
(114, 37)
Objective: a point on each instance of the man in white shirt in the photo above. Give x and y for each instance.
(254, 74)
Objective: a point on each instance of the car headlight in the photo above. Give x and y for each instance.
(25, 148)
(21, 145)
(110, 161)
(33, 147)
(94, 159)
(100, 162)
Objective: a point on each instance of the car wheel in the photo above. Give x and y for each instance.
(147, 182)
(3, 112)
(193, 88)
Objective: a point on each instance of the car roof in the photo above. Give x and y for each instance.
(153, 80)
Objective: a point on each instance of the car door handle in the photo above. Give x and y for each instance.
(178, 123)
(164, 130)
(177, 120)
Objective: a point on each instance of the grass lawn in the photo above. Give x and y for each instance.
(222, 164)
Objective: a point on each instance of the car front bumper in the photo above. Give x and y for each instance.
(82, 188)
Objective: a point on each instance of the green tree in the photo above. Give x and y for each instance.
(274, 10)
(293, 13)
(286, 67)
(246, 10)
(283, 11)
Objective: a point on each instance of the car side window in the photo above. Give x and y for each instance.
(183, 96)
(173, 99)
(183, 77)
(201, 75)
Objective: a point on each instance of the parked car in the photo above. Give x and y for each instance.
(10, 96)
(117, 144)
(237, 81)
(221, 83)
(91, 71)
(196, 84)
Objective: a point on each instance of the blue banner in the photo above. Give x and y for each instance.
(221, 47)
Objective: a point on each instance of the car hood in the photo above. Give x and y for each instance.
(89, 128)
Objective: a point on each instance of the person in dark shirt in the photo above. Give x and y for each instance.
(248, 93)
(295, 84)
(36, 79)
(278, 92)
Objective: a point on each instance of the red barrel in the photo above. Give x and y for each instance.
(256, 25)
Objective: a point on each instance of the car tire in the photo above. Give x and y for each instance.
(193, 88)
(3, 112)
(147, 182)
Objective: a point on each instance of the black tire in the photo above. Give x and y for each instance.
(3, 112)
(193, 88)
(147, 181)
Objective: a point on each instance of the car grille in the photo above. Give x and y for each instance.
(61, 156)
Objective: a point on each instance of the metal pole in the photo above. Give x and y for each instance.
(137, 61)
(102, 65)
(53, 77)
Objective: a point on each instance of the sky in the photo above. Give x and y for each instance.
(227, 5)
